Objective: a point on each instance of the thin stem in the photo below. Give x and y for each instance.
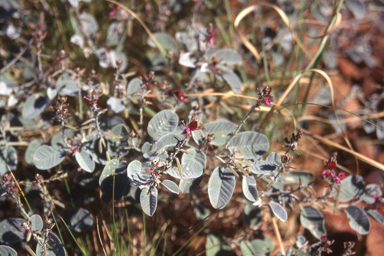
(6, 67)
(242, 122)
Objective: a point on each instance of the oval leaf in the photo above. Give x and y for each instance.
(351, 187)
(85, 160)
(54, 247)
(77, 219)
(313, 220)
(266, 166)
(148, 200)
(137, 175)
(134, 88)
(171, 186)
(220, 130)
(190, 170)
(225, 56)
(7, 251)
(252, 215)
(165, 40)
(356, 7)
(8, 158)
(295, 177)
(162, 123)
(36, 223)
(188, 185)
(11, 231)
(220, 187)
(32, 147)
(279, 211)
(358, 219)
(231, 78)
(376, 215)
(249, 188)
(115, 105)
(251, 144)
(47, 157)
(194, 155)
(214, 246)
(113, 180)
(34, 105)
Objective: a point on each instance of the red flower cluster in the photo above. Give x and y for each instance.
(329, 171)
(209, 37)
(178, 94)
(192, 126)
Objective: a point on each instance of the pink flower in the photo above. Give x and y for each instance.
(267, 101)
(178, 94)
(212, 40)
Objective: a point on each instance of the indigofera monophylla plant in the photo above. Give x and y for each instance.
(137, 136)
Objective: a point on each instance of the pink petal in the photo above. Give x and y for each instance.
(212, 41)
(267, 101)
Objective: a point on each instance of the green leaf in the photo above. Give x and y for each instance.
(88, 24)
(251, 144)
(369, 127)
(54, 246)
(313, 220)
(120, 130)
(225, 56)
(119, 169)
(194, 155)
(8, 156)
(32, 147)
(137, 174)
(57, 141)
(66, 86)
(188, 185)
(201, 211)
(294, 177)
(266, 166)
(162, 123)
(34, 105)
(220, 130)
(155, 62)
(187, 59)
(77, 219)
(257, 247)
(252, 215)
(370, 191)
(134, 87)
(190, 170)
(379, 131)
(162, 145)
(165, 40)
(36, 223)
(358, 219)
(85, 160)
(220, 187)
(376, 215)
(115, 105)
(351, 187)
(113, 34)
(47, 157)
(356, 7)
(7, 251)
(231, 78)
(278, 211)
(171, 186)
(249, 188)
(214, 246)
(11, 231)
(108, 122)
(148, 200)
